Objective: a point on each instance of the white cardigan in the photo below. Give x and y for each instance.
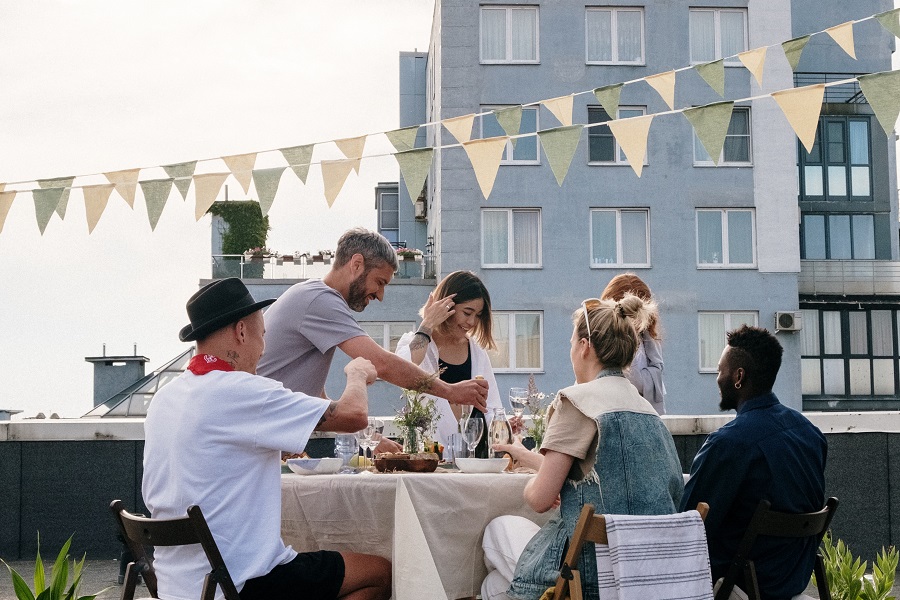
(481, 365)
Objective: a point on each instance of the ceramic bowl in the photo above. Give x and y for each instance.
(315, 466)
(482, 465)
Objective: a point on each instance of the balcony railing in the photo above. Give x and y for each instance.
(303, 267)
(849, 277)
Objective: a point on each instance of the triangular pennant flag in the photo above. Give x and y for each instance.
(45, 202)
(664, 84)
(299, 158)
(485, 157)
(126, 182)
(882, 90)
(843, 35)
(59, 182)
(561, 108)
(755, 62)
(403, 139)
(266, 181)
(510, 119)
(559, 145)
(460, 127)
(156, 193)
(241, 166)
(793, 49)
(713, 73)
(353, 149)
(890, 20)
(608, 97)
(631, 134)
(6, 200)
(95, 199)
(334, 174)
(182, 173)
(2, 186)
(414, 166)
(802, 106)
(206, 190)
(711, 124)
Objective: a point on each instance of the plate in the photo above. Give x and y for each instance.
(315, 466)
(482, 465)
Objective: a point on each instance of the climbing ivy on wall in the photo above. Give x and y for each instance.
(247, 227)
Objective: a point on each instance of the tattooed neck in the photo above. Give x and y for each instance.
(231, 357)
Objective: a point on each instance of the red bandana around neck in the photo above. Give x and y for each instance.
(202, 364)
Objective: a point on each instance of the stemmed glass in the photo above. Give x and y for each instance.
(465, 411)
(474, 429)
(370, 436)
(518, 397)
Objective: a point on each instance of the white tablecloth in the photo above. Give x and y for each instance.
(439, 517)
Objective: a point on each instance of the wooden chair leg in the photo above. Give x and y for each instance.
(131, 577)
(821, 579)
(575, 586)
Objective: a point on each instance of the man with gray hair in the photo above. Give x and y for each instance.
(312, 318)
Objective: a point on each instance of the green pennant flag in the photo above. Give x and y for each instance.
(45, 202)
(182, 173)
(299, 157)
(156, 193)
(890, 20)
(713, 73)
(608, 97)
(882, 90)
(711, 124)
(414, 167)
(793, 49)
(59, 182)
(266, 182)
(510, 119)
(559, 145)
(403, 139)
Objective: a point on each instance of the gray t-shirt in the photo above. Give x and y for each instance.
(303, 327)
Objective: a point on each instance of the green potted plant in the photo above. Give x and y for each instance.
(58, 586)
(847, 578)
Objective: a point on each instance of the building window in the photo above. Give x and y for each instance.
(620, 238)
(837, 237)
(713, 326)
(725, 238)
(602, 145)
(389, 216)
(614, 35)
(509, 34)
(511, 237)
(736, 150)
(718, 33)
(387, 334)
(525, 149)
(519, 337)
(840, 164)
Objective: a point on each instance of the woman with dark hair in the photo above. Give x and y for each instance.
(453, 336)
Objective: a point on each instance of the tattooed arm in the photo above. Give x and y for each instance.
(351, 411)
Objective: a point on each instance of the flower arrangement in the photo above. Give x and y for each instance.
(418, 416)
(408, 253)
(537, 404)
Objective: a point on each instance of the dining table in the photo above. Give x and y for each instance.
(429, 525)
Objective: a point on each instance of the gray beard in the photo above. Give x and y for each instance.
(356, 295)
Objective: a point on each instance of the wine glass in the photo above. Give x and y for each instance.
(518, 398)
(465, 411)
(473, 432)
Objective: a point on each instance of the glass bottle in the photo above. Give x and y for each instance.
(482, 449)
(500, 432)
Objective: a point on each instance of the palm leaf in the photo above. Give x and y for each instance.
(19, 585)
(40, 581)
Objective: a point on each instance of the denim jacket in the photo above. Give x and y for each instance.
(636, 472)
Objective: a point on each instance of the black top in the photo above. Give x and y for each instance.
(451, 373)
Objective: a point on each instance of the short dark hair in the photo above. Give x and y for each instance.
(758, 352)
(376, 250)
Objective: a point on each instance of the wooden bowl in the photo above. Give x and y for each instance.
(423, 463)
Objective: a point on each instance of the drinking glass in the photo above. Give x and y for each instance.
(345, 447)
(474, 431)
(518, 397)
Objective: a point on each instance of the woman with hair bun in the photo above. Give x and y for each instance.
(605, 445)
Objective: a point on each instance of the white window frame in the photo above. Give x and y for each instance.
(510, 241)
(619, 264)
(722, 161)
(726, 262)
(510, 315)
(509, 151)
(734, 62)
(614, 35)
(728, 327)
(619, 160)
(386, 331)
(508, 60)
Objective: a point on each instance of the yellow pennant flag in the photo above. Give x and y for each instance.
(6, 200)
(802, 106)
(334, 174)
(125, 182)
(206, 190)
(352, 149)
(95, 199)
(561, 108)
(485, 157)
(843, 35)
(241, 166)
(664, 84)
(755, 62)
(632, 137)
(460, 127)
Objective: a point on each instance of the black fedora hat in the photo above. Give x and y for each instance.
(216, 305)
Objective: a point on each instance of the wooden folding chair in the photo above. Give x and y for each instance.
(141, 531)
(590, 528)
(777, 524)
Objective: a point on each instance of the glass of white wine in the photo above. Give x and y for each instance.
(518, 398)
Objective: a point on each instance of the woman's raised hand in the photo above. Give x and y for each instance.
(437, 311)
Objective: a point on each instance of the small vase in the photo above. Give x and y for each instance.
(411, 441)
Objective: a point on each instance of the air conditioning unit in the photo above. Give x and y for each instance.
(788, 321)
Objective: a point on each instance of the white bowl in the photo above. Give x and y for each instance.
(315, 466)
(482, 465)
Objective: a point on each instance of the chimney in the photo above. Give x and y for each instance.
(112, 374)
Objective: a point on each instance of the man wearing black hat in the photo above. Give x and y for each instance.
(214, 437)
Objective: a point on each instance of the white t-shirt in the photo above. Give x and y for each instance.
(215, 440)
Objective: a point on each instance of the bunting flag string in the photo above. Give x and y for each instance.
(353, 149)
(59, 182)
(181, 173)
(126, 182)
(403, 139)
(561, 108)
(460, 127)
